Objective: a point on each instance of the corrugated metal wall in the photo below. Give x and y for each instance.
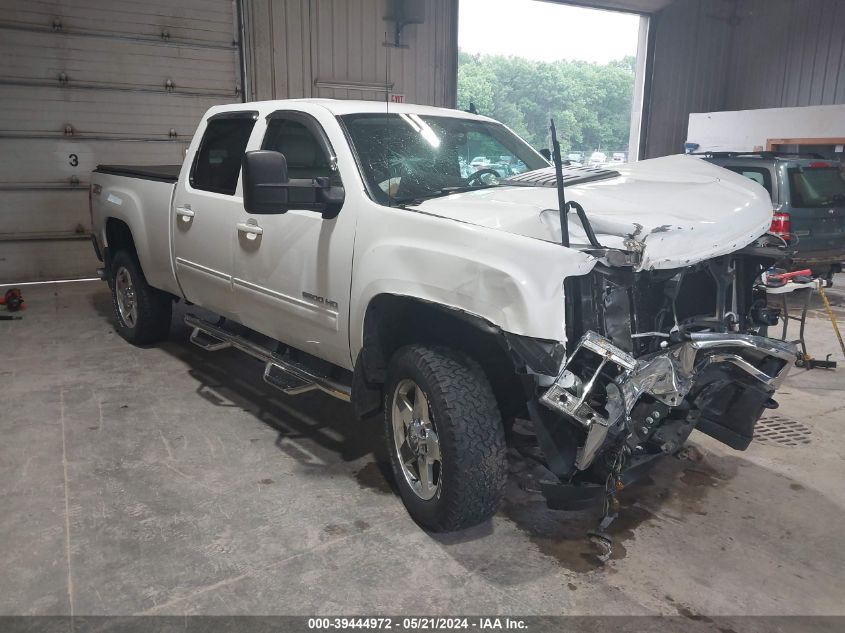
(787, 53)
(691, 52)
(714, 55)
(335, 49)
(85, 82)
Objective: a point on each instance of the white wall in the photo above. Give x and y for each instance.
(750, 130)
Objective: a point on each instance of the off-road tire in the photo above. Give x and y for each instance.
(154, 307)
(471, 434)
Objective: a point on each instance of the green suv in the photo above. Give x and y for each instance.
(808, 194)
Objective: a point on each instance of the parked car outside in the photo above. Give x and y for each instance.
(597, 158)
(480, 162)
(618, 157)
(808, 195)
(575, 158)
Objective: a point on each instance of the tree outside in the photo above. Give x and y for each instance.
(589, 102)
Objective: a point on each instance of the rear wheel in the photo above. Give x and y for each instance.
(141, 311)
(445, 438)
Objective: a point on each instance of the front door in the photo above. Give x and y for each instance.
(293, 270)
(207, 212)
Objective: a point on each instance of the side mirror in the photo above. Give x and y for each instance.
(546, 153)
(267, 187)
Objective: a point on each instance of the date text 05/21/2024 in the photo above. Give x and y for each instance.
(418, 623)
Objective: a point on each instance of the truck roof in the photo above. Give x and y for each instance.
(340, 107)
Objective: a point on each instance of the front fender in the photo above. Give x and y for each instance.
(511, 281)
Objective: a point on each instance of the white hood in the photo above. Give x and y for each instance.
(678, 210)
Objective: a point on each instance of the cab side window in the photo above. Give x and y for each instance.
(304, 153)
(218, 161)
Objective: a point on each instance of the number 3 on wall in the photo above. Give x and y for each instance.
(73, 159)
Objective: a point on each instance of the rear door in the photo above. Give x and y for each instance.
(293, 270)
(817, 209)
(207, 210)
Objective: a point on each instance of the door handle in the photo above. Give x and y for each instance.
(252, 230)
(186, 213)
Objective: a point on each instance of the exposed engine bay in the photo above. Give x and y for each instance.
(651, 356)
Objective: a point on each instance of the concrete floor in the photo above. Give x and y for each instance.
(170, 481)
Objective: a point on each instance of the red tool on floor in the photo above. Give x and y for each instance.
(774, 279)
(13, 300)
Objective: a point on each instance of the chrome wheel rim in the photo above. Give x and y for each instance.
(124, 292)
(415, 440)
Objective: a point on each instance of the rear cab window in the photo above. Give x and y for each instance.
(817, 187)
(760, 175)
(217, 164)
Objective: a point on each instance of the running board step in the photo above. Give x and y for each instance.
(290, 377)
(287, 382)
(209, 343)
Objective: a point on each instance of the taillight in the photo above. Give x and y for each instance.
(818, 165)
(781, 225)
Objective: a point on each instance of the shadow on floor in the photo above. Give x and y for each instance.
(229, 378)
(678, 493)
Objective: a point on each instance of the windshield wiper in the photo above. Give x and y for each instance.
(440, 193)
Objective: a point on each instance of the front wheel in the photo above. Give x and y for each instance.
(445, 437)
(142, 312)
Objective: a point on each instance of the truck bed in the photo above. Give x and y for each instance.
(161, 173)
(139, 196)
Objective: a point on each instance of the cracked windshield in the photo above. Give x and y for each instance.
(408, 157)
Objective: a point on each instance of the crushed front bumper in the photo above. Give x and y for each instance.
(724, 380)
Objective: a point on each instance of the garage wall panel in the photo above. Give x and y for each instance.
(786, 54)
(336, 49)
(37, 194)
(97, 62)
(118, 114)
(26, 216)
(56, 162)
(28, 260)
(691, 57)
(85, 82)
(341, 54)
(201, 21)
(717, 55)
(278, 49)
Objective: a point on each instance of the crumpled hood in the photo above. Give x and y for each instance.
(677, 210)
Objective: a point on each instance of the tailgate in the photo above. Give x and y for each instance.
(817, 197)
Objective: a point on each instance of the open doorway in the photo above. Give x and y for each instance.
(524, 62)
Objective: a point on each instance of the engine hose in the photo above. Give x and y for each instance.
(588, 228)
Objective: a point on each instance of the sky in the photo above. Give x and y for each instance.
(546, 31)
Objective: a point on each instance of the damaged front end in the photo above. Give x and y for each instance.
(656, 354)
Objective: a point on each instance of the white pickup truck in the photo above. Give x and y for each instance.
(341, 245)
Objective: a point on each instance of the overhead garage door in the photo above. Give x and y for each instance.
(84, 82)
